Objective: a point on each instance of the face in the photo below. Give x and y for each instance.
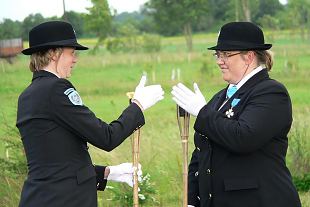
(234, 65)
(65, 62)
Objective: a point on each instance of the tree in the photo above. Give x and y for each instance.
(219, 8)
(268, 21)
(140, 20)
(244, 10)
(268, 7)
(99, 20)
(300, 11)
(77, 21)
(10, 29)
(174, 16)
(29, 22)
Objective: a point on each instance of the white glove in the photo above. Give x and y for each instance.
(188, 100)
(147, 96)
(124, 173)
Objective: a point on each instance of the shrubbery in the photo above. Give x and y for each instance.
(302, 183)
(14, 164)
(123, 195)
(146, 43)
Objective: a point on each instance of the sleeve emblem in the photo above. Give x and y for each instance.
(74, 96)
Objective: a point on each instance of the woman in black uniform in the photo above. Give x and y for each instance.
(241, 133)
(56, 126)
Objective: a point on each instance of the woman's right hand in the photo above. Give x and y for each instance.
(147, 96)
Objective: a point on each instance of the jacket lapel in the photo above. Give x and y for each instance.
(220, 99)
(257, 78)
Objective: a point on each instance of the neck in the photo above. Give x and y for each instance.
(249, 75)
(52, 68)
(249, 69)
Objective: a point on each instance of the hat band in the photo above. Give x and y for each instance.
(60, 43)
(239, 43)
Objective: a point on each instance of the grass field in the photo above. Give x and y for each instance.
(103, 80)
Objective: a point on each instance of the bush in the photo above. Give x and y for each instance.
(114, 45)
(298, 150)
(14, 164)
(302, 183)
(123, 196)
(134, 43)
(13, 167)
(300, 156)
(151, 43)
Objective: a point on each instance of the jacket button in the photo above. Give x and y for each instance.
(198, 148)
(208, 171)
(210, 196)
(196, 174)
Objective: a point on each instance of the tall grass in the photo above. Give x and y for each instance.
(103, 80)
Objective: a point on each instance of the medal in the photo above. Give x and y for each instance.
(230, 112)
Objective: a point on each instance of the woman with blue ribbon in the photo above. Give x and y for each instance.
(241, 133)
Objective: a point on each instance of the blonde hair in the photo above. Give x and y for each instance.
(41, 59)
(264, 57)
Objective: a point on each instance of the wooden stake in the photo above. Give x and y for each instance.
(135, 144)
(183, 118)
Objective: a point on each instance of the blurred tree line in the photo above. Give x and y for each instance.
(173, 17)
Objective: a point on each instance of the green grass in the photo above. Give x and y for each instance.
(103, 80)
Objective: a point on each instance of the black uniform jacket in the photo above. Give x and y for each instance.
(55, 127)
(240, 161)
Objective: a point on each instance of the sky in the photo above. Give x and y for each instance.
(19, 9)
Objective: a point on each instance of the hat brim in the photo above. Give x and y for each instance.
(50, 45)
(239, 47)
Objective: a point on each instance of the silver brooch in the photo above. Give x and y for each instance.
(229, 113)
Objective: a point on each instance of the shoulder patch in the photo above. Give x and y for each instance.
(74, 96)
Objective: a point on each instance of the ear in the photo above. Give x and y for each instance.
(53, 55)
(249, 57)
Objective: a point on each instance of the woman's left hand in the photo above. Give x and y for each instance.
(124, 173)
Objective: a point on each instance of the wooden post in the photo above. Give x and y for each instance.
(64, 7)
(135, 144)
(136, 157)
(183, 118)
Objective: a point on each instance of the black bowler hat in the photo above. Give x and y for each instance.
(242, 36)
(52, 34)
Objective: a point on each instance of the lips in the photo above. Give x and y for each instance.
(224, 70)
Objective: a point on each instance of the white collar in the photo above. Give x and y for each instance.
(247, 77)
(243, 80)
(51, 72)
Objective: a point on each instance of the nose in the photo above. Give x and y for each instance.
(75, 59)
(219, 61)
